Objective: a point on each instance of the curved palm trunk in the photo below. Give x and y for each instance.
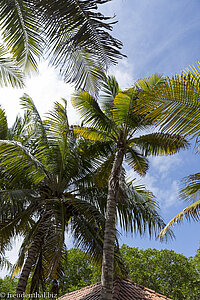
(30, 260)
(109, 235)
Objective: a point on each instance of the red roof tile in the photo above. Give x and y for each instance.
(122, 290)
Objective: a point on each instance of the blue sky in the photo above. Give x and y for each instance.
(158, 36)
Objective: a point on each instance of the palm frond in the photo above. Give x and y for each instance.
(20, 31)
(4, 263)
(57, 119)
(122, 108)
(91, 112)
(35, 118)
(150, 83)
(3, 125)
(191, 212)
(79, 67)
(10, 72)
(160, 143)
(191, 189)
(174, 105)
(20, 129)
(139, 211)
(103, 172)
(79, 40)
(110, 89)
(24, 164)
(91, 134)
(137, 161)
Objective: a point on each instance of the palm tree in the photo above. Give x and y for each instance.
(47, 188)
(175, 106)
(116, 122)
(40, 196)
(73, 33)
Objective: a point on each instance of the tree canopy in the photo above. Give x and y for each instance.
(164, 271)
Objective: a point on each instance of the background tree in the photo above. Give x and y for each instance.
(7, 286)
(164, 271)
(196, 260)
(79, 271)
(116, 122)
(73, 33)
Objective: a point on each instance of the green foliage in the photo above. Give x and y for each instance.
(196, 260)
(79, 271)
(164, 271)
(7, 286)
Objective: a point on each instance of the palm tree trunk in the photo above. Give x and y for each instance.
(109, 235)
(30, 260)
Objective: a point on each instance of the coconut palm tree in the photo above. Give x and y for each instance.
(42, 174)
(47, 187)
(73, 33)
(116, 122)
(175, 106)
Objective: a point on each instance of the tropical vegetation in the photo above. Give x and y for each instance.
(164, 271)
(50, 185)
(114, 121)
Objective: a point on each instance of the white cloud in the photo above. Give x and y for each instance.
(44, 88)
(123, 73)
(12, 255)
(165, 164)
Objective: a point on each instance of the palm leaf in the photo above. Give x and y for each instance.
(57, 120)
(24, 164)
(174, 105)
(138, 211)
(91, 134)
(20, 30)
(160, 143)
(3, 125)
(150, 83)
(34, 117)
(20, 129)
(78, 67)
(122, 108)
(191, 188)
(79, 40)
(10, 73)
(90, 111)
(4, 263)
(191, 212)
(110, 89)
(137, 161)
(103, 172)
